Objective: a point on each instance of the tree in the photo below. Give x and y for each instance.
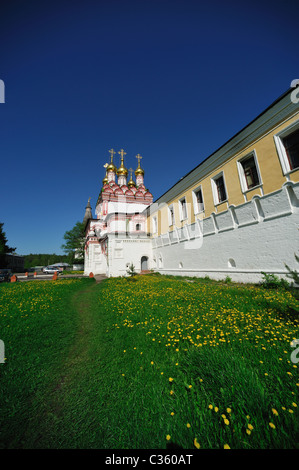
(75, 242)
(4, 248)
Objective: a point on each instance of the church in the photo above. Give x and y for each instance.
(236, 214)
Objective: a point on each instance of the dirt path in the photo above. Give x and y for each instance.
(53, 420)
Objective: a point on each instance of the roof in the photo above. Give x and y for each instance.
(252, 124)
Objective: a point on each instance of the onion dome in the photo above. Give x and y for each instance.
(122, 170)
(139, 170)
(131, 182)
(111, 166)
(105, 180)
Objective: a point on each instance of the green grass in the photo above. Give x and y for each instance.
(149, 362)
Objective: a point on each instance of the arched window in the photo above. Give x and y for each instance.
(138, 227)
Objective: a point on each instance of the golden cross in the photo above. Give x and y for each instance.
(131, 171)
(139, 157)
(122, 153)
(112, 153)
(105, 166)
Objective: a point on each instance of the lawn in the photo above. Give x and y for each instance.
(151, 362)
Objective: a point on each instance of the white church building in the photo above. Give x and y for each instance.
(236, 214)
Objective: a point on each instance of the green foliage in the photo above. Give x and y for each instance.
(293, 274)
(228, 280)
(131, 270)
(271, 281)
(44, 259)
(151, 364)
(4, 248)
(75, 242)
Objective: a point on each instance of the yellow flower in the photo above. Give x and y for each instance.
(291, 411)
(190, 386)
(226, 446)
(228, 410)
(274, 412)
(226, 421)
(211, 407)
(272, 425)
(196, 444)
(168, 437)
(171, 392)
(250, 426)
(248, 432)
(216, 409)
(170, 379)
(294, 404)
(188, 425)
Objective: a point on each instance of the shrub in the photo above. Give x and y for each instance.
(271, 281)
(293, 274)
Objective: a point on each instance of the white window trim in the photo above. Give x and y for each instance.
(181, 209)
(195, 203)
(169, 216)
(155, 224)
(243, 181)
(214, 189)
(284, 161)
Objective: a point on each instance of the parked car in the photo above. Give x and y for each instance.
(51, 270)
(5, 275)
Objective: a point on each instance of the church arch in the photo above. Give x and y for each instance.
(144, 263)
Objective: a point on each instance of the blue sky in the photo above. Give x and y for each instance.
(171, 80)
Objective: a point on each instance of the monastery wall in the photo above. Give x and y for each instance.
(258, 235)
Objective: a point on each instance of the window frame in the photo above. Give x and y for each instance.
(182, 218)
(196, 209)
(242, 176)
(282, 155)
(155, 224)
(215, 189)
(171, 220)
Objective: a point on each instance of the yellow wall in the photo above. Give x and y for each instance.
(271, 175)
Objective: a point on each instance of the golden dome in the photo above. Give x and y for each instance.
(122, 170)
(105, 180)
(139, 170)
(131, 182)
(111, 166)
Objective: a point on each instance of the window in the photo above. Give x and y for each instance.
(249, 172)
(155, 225)
(218, 187)
(138, 227)
(198, 200)
(183, 208)
(287, 144)
(171, 219)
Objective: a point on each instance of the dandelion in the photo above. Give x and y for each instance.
(228, 410)
(294, 404)
(248, 432)
(250, 427)
(171, 392)
(172, 413)
(272, 425)
(291, 411)
(197, 445)
(168, 437)
(226, 421)
(226, 446)
(274, 412)
(211, 407)
(170, 379)
(188, 425)
(216, 409)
